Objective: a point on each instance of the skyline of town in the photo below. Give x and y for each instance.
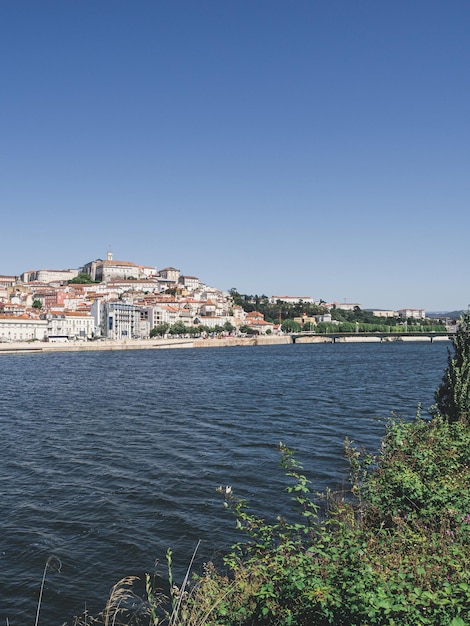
(108, 268)
(113, 299)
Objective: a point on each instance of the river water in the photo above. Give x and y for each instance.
(109, 458)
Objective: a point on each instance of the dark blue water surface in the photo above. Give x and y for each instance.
(109, 458)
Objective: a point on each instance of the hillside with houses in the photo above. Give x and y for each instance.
(112, 299)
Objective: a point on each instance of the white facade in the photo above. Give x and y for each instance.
(22, 328)
(382, 313)
(170, 273)
(103, 271)
(55, 276)
(208, 309)
(119, 320)
(160, 314)
(148, 285)
(417, 314)
(7, 281)
(71, 325)
(344, 306)
(211, 322)
(191, 283)
(147, 271)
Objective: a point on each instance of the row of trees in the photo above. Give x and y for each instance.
(292, 326)
(179, 328)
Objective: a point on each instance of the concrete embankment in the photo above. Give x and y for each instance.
(93, 346)
(137, 344)
(314, 339)
(165, 344)
(224, 342)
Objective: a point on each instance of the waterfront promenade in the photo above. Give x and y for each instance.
(165, 344)
(137, 344)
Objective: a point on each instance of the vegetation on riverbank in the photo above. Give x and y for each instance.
(351, 320)
(393, 550)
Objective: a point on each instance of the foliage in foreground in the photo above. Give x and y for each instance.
(453, 395)
(396, 551)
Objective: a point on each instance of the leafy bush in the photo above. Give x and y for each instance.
(399, 557)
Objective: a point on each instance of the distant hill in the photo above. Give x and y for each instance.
(455, 315)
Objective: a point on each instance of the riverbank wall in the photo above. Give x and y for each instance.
(38, 347)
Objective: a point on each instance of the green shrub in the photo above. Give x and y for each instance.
(397, 555)
(453, 395)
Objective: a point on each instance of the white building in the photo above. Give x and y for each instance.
(48, 276)
(417, 314)
(191, 283)
(22, 328)
(344, 306)
(384, 313)
(104, 271)
(170, 274)
(7, 281)
(161, 314)
(239, 314)
(117, 320)
(71, 324)
(55, 276)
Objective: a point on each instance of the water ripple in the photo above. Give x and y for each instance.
(109, 458)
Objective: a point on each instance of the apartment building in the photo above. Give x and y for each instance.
(160, 314)
(70, 325)
(118, 320)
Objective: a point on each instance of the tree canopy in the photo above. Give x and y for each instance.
(82, 279)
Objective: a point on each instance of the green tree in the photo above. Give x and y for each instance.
(236, 297)
(37, 304)
(290, 326)
(453, 394)
(82, 279)
(160, 330)
(178, 328)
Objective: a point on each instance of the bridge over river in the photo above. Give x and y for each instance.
(311, 337)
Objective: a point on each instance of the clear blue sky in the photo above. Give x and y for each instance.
(299, 147)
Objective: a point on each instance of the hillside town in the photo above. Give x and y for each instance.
(116, 300)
